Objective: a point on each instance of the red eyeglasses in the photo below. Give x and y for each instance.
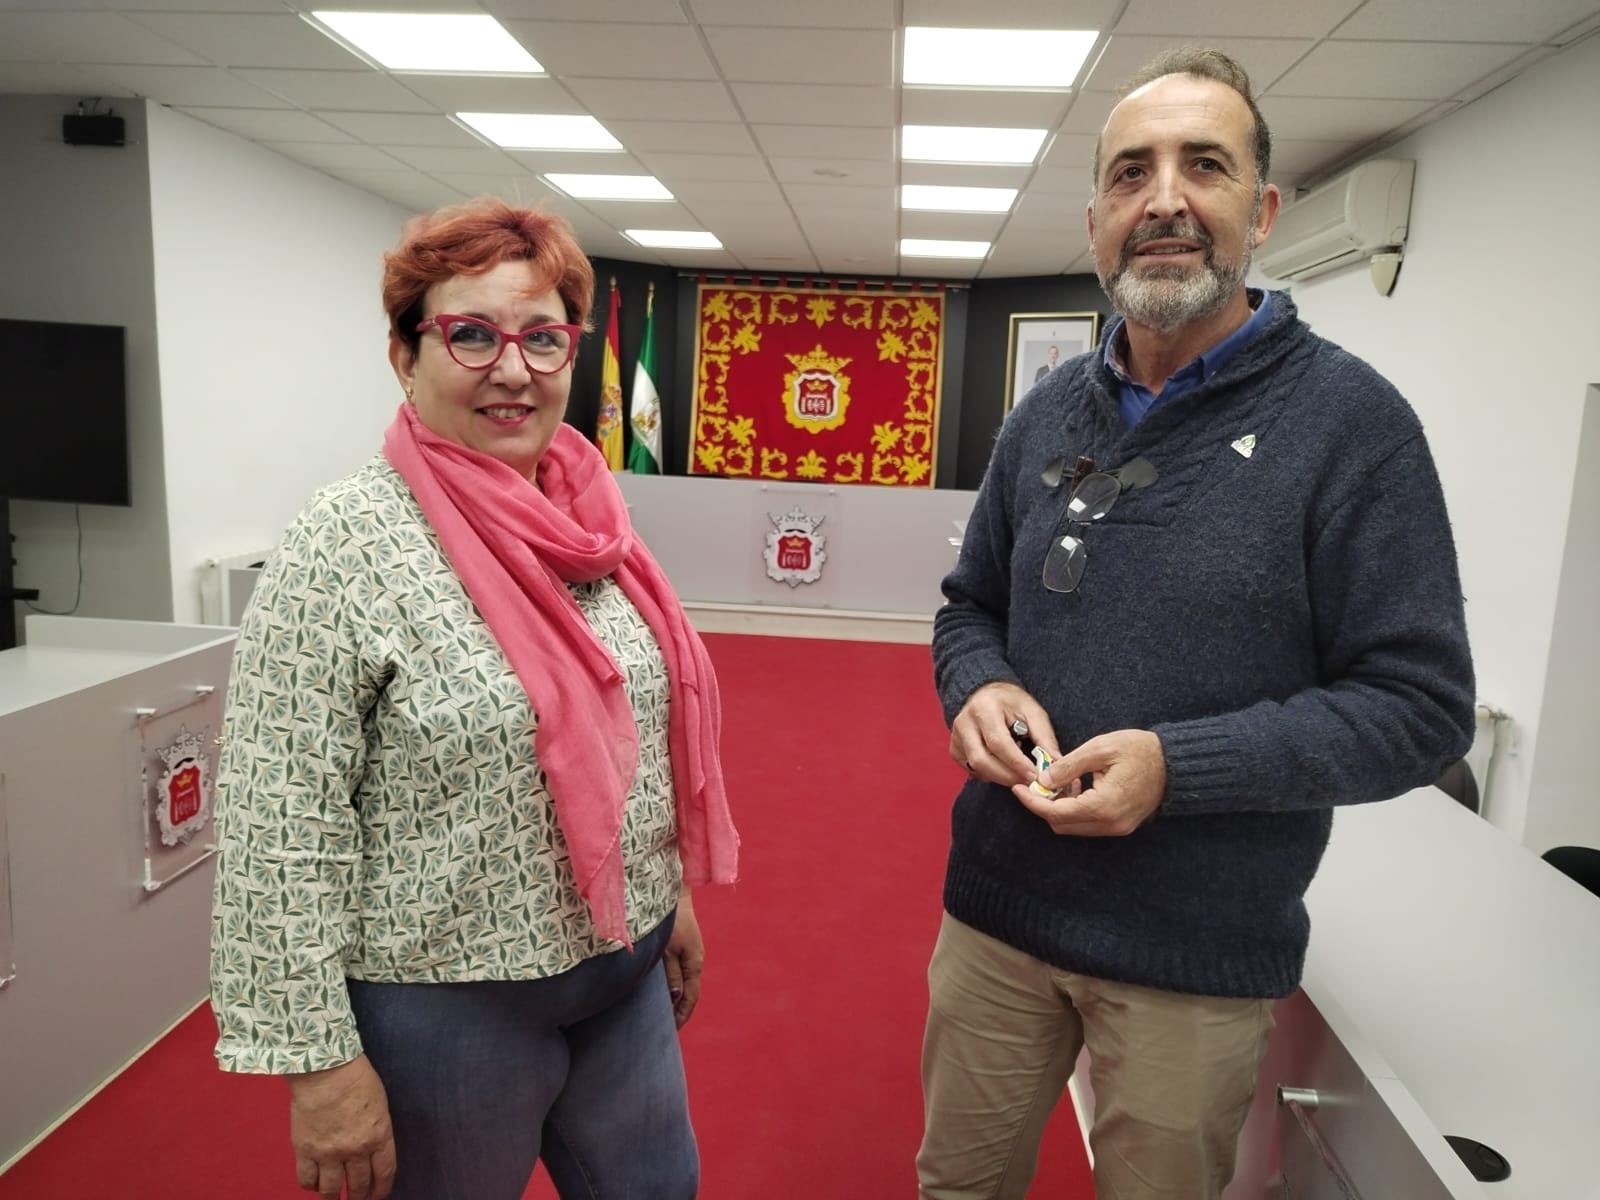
(478, 345)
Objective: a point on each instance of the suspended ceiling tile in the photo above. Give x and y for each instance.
(1241, 18)
(815, 56)
(578, 162)
(731, 167)
(983, 107)
(51, 79)
(1042, 210)
(251, 40)
(179, 87)
(825, 141)
(337, 155)
(353, 91)
(749, 195)
(639, 214)
(660, 12)
(518, 188)
(800, 104)
(1264, 59)
(1089, 112)
(812, 14)
(683, 137)
(1299, 118)
(939, 268)
(966, 227)
(493, 93)
(861, 199)
(269, 125)
(451, 158)
(641, 100)
(1393, 70)
(1073, 151)
(586, 49)
(851, 172)
(87, 37)
(1012, 14)
(966, 174)
(1425, 20)
(401, 129)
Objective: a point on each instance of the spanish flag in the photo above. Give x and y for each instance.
(608, 429)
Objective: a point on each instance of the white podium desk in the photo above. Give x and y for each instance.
(1473, 969)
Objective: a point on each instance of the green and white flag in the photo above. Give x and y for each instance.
(645, 457)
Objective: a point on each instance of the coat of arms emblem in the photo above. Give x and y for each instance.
(183, 793)
(794, 548)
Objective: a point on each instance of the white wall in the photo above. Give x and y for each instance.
(273, 342)
(75, 246)
(1493, 333)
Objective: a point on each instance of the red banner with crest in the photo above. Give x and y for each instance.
(817, 384)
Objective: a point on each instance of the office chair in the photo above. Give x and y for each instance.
(1578, 863)
(1458, 782)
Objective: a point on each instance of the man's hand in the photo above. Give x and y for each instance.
(1130, 778)
(980, 736)
(685, 959)
(339, 1125)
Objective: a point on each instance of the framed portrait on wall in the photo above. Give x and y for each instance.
(1040, 341)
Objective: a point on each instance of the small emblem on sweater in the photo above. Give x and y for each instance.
(1246, 446)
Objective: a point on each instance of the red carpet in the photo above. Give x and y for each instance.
(803, 1054)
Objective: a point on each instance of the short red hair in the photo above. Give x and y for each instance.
(471, 238)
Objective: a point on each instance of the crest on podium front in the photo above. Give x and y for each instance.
(795, 550)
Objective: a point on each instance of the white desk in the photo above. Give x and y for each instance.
(103, 966)
(1452, 987)
(1473, 969)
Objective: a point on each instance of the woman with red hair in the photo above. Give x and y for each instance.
(470, 769)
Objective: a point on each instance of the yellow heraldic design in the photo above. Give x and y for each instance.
(816, 394)
(774, 464)
(820, 309)
(848, 467)
(885, 437)
(811, 465)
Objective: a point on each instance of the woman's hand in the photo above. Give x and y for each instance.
(685, 959)
(339, 1125)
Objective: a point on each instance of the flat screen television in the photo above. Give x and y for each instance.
(63, 413)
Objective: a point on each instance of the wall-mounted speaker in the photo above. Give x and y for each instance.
(93, 130)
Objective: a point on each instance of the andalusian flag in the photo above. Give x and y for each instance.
(608, 429)
(645, 457)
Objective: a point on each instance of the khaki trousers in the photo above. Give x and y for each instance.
(1173, 1075)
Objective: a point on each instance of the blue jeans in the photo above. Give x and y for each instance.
(581, 1070)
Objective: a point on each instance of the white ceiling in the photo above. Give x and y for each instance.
(774, 122)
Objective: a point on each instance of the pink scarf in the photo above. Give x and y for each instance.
(515, 547)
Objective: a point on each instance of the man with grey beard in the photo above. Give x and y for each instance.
(1207, 593)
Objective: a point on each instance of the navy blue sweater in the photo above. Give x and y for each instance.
(1289, 624)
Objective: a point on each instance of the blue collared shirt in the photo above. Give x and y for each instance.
(1138, 400)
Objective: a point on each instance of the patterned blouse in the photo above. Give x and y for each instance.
(380, 812)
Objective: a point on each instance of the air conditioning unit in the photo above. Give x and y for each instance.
(1365, 211)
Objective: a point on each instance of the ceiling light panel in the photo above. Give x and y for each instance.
(673, 239)
(541, 131)
(957, 199)
(457, 42)
(1003, 58)
(969, 144)
(610, 187)
(942, 248)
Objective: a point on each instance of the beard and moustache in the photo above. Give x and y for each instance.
(1166, 298)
